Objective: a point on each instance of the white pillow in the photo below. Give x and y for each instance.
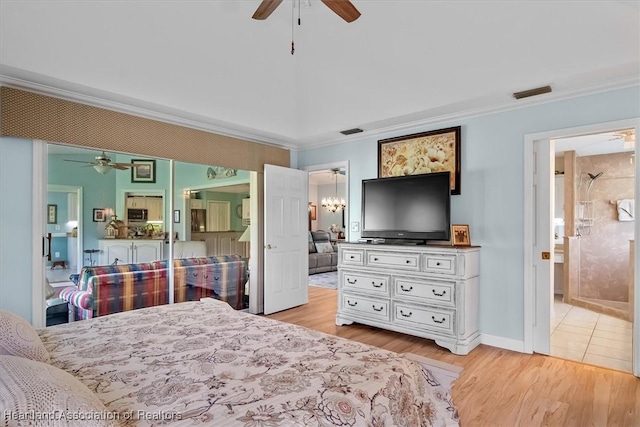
(36, 388)
(18, 338)
(324, 247)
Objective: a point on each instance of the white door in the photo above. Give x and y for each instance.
(543, 195)
(286, 253)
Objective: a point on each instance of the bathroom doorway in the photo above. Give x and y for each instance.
(592, 314)
(538, 280)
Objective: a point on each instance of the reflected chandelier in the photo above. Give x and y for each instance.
(334, 204)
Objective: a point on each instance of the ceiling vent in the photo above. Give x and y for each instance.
(351, 131)
(532, 92)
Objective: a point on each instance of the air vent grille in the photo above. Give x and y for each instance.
(351, 131)
(532, 92)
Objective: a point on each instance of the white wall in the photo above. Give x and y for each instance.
(491, 199)
(15, 225)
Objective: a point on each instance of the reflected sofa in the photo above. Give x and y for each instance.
(102, 290)
(323, 254)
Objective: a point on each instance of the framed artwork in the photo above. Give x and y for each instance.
(176, 216)
(52, 214)
(460, 235)
(313, 212)
(143, 170)
(99, 215)
(420, 153)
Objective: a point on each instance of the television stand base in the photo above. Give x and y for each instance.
(371, 240)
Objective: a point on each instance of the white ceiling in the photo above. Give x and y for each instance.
(326, 177)
(595, 144)
(403, 62)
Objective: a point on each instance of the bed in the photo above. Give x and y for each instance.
(204, 363)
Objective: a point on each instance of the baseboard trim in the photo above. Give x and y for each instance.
(500, 342)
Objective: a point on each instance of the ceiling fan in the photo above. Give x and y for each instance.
(103, 164)
(343, 8)
(628, 136)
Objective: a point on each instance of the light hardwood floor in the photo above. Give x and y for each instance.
(500, 387)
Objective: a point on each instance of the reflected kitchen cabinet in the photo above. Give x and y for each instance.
(130, 251)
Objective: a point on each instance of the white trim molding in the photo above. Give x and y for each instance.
(38, 202)
(501, 342)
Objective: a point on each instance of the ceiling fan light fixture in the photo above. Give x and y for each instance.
(102, 169)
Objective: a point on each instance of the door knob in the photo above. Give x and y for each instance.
(271, 247)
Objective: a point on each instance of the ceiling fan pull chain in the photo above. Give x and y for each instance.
(293, 6)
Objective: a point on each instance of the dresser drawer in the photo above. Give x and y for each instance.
(445, 264)
(404, 261)
(365, 282)
(369, 307)
(433, 319)
(352, 257)
(428, 291)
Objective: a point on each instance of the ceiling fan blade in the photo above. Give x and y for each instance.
(125, 165)
(265, 9)
(119, 166)
(77, 161)
(343, 8)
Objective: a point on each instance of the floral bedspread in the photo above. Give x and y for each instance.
(197, 363)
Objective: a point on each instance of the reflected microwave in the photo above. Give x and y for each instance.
(137, 215)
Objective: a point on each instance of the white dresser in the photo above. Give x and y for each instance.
(426, 291)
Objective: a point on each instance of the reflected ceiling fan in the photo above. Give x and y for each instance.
(103, 164)
(343, 8)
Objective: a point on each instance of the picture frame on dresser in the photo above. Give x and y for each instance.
(460, 235)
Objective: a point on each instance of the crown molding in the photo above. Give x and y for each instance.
(466, 110)
(491, 104)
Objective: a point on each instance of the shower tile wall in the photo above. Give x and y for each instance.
(604, 252)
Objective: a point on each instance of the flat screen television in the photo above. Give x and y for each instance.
(407, 209)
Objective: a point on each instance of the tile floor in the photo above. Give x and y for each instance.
(584, 335)
(58, 274)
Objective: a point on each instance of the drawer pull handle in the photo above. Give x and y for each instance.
(376, 285)
(438, 263)
(377, 309)
(405, 315)
(350, 282)
(437, 294)
(375, 259)
(408, 261)
(351, 257)
(352, 304)
(437, 321)
(405, 289)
